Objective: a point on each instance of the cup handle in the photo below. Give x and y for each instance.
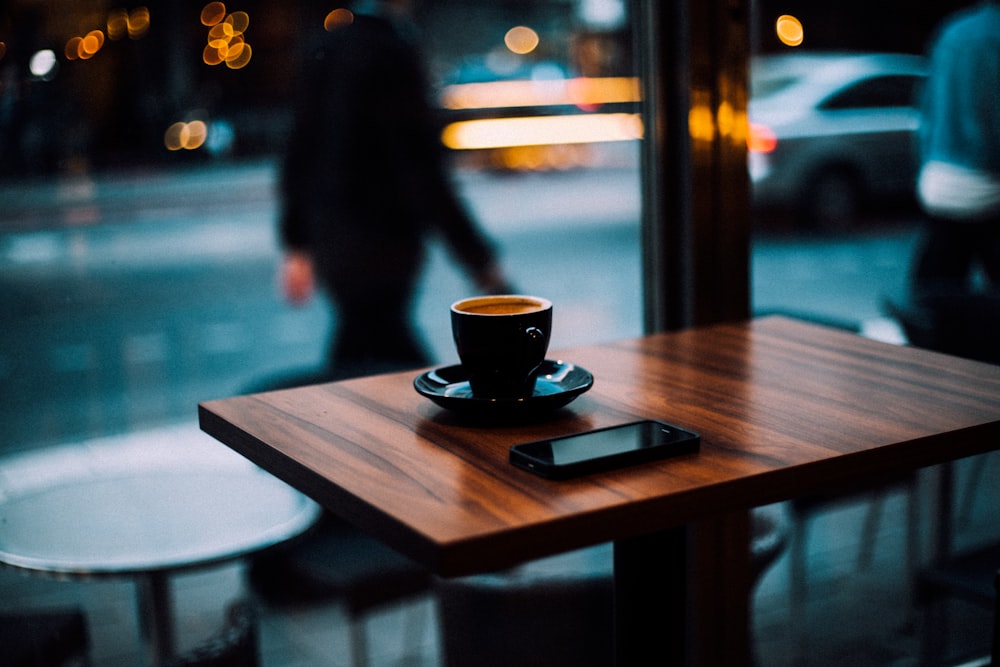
(536, 340)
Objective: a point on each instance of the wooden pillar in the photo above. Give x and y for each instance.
(693, 61)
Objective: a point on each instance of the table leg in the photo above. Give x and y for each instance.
(650, 599)
(156, 619)
(682, 595)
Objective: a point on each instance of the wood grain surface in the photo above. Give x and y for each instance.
(784, 409)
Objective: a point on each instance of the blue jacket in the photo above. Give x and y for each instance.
(961, 102)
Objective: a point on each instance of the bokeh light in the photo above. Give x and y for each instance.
(542, 131)
(84, 48)
(92, 43)
(117, 24)
(186, 135)
(43, 65)
(138, 22)
(226, 42)
(521, 40)
(72, 48)
(338, 18)
(789, 30)
(239, 22)
(582, 92)
(213, 13)
(121, 22)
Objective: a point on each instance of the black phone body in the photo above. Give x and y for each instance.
(603, 449)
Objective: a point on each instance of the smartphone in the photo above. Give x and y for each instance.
(603, 449)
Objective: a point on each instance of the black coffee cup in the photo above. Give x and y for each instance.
(501, 341)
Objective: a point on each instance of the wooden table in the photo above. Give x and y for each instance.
(784, 409)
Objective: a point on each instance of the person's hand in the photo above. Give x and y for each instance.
(297, 278)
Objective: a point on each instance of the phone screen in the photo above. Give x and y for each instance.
(604, 449)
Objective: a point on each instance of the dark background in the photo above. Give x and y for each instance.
(111, 111)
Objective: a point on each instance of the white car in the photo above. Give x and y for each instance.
(832, 132)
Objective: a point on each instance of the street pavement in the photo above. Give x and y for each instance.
(127, 299)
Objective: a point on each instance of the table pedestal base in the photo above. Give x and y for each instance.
(682, 596)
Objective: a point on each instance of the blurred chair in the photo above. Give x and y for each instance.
(51, 638)
(235, 645)
(972, 577)
(965, 325)
(337, 562)
(968, 575)
(873, 496)
(555, 611)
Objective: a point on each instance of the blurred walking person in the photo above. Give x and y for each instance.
(365, 185)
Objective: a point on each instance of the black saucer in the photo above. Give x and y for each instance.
(557, 384)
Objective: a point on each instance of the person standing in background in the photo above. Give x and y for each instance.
(959, 181)
(954, 300)
(364, 187)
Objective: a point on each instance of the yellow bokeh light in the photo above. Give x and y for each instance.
(221, 31)
(789, 30)
(241, 59)
(72, 50)
(175, 136)
(92, 43)
(541, 131)
(235, 51)
(186, 136)
(581, 91)
(213, 55)
(117, 24)
(225, 37)
(3, 49)
(727, 119)
(701, 123)
(213, 13)
(197, 133)
(239, 22)
(338, 18)
(138, 22)
(521, 40)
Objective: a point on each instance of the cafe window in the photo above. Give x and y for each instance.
(834, 163)
(140, 154)
(138, 225)
(140, 158)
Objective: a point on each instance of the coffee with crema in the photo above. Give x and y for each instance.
(502, 308)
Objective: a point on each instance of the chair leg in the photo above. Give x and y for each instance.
(797, 584)
(359, 642)
(995, 654)
(913, 561)
(414, 625)
(869, 531)
(358, 632)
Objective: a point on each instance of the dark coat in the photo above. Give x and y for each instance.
(365, 180)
